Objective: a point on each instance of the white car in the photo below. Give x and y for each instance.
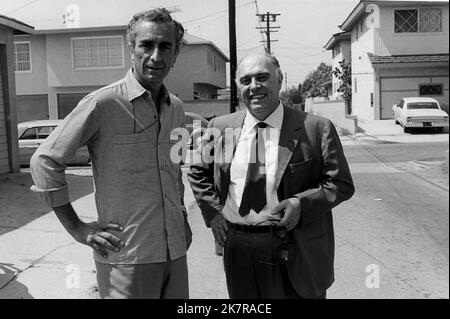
(32, 134)
(419, 112)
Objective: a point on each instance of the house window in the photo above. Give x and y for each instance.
(420, 20)
(22, 53)
(371, 99)
(355, 84)
(98, 52)
(431, 89)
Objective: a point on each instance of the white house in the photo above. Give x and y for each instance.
(398, 49)
(339, 44)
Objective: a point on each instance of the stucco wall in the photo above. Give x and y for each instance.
(59, 60)
(333, 110)
(387, 42)
(34, 82)
(192, 67)
(362, 70)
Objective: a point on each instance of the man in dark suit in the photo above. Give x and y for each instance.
(267, 190)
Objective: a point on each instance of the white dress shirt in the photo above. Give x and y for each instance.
(239, 167)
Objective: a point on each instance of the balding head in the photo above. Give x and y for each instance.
(271, 58)
(259, 80)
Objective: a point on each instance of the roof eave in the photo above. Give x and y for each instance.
(335, 38)
(18, 26)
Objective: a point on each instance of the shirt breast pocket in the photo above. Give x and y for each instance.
(131, 153)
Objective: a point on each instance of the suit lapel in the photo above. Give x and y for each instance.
(224, 153)
(291, 131)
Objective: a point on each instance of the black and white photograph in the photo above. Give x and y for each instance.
(237, 152)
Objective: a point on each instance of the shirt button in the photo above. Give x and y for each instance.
(154, 117)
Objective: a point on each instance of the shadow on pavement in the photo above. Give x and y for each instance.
(20, 206)
(8, 277)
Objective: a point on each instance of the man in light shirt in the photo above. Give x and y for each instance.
(268, 196)
(142, 233)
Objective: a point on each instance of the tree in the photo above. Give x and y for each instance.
(291, 96)
(344, 74)
(314, 83)
(321, 76)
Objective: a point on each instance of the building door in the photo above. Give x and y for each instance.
(67, 102)
(4, 148)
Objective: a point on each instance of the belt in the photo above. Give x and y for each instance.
(253, 229)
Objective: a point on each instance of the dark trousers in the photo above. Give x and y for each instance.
(253, 267)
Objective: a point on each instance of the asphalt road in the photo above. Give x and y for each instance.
(392, 237)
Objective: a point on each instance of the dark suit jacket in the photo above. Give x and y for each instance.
(311, 167)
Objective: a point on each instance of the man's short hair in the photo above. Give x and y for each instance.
(158, 15)
(273, 60)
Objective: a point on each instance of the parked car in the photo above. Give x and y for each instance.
(419, 112)
(195, 124)
(32, 134)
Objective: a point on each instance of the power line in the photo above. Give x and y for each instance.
(21, 7)
(211, 15)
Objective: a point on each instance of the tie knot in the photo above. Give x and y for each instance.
(262, 125)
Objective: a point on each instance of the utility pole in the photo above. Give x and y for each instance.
(233, 55)
(268, 18)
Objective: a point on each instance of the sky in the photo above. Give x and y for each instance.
(305, 25)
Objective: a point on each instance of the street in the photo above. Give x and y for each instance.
(395, 226)
(391, 236)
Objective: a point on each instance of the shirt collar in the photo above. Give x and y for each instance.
(136, 90)
(275, 119)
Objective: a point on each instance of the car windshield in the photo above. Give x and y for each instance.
(423, 105)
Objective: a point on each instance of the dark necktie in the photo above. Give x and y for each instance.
(254, 194)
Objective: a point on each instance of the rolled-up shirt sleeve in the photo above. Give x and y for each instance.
(48, 163)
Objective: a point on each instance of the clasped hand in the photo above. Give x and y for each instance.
(97, 236)
(289, 209)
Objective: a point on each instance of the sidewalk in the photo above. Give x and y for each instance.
(39, 259)
(386, 132)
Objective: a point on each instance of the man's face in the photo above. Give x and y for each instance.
(259, 85)
(154, 53)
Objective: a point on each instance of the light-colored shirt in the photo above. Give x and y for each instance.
(136, 183)
(239, 167)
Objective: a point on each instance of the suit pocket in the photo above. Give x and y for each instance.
(294, 167)
(131, 153)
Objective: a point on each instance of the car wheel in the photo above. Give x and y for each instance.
(406, 129)
(439, 129)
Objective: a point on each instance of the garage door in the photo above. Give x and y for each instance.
(67, 102)
(392, 89)
(4, 158)
(32, 107)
